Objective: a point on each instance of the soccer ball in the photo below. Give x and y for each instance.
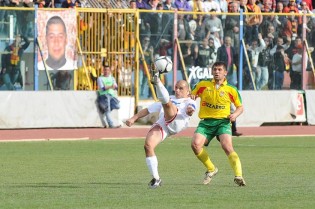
(163, 64)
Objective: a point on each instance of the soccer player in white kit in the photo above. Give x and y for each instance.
(174, 115)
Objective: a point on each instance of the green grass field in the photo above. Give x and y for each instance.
(279, 172)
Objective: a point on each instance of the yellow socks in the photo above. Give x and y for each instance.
(235, 163)
(205, 159)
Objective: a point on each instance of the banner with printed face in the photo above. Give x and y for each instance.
(57, 33)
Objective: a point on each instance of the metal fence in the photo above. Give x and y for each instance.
(129, 40)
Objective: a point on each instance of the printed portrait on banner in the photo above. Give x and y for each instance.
(57, 33)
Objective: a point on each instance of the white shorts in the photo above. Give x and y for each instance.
(172, 126)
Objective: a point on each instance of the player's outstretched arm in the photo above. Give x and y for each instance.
(133, 119)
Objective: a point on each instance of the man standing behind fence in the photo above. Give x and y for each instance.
(107, 95)
(11, 61)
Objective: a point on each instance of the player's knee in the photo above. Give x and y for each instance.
(228, 149)
(147, 147)
(195, 146)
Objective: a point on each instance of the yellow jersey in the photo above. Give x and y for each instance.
(215, 101)
(85, 78)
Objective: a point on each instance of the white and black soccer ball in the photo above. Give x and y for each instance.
(164, 64)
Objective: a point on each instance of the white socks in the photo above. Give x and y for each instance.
(162, 93)
(152, 164)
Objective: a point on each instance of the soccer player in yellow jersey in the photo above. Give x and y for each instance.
(216, 96)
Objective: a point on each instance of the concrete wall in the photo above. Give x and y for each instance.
(76, 109)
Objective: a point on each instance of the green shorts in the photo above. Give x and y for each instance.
(213, 127)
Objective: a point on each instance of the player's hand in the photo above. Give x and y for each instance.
(190, 110)
(232, 117)
(129, 122)
(193, 97)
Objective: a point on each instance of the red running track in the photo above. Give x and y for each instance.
(138, 132)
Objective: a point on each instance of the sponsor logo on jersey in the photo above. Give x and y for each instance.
(212, 106)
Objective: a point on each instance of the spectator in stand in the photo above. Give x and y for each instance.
(133, 4)
(284, 2)
(160, 26)
(67, 4)
(196, 5)
(11, 62)
(3, 13)
(232, 25)
(58, 3)
(264, 62)
(227, 54)
(165, 45)
(86, 76)
(190, 54)
(198, 32)
(204, 54)
(183, 28)
(298, 4)
(290, 28)
(213, 57)
(268, 6)
(267, 19)
(255, 49)
(305, 10)
(142, 4)
(211, 6)
(291, 51)
(280, 42)
(279, 57)
(224, 9)
(252, 21)
(153, 4)
(272, 35)
(272, 70)
(310, 27)
(279, 19)
(247, 80)
(41, 4)
(308, 4)
(169, 5)
(182, 5)
(296, 77)
(25, 18)
(293, 8)
(214, 21)
(214, 35)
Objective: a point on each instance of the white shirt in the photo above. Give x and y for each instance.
(70, 65)
(296, 58)
(181, 105)
(255, 52)
(208, 6)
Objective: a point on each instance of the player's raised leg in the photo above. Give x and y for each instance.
(170, 110)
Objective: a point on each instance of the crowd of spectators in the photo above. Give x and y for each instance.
(41, 3)
(272, 41)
